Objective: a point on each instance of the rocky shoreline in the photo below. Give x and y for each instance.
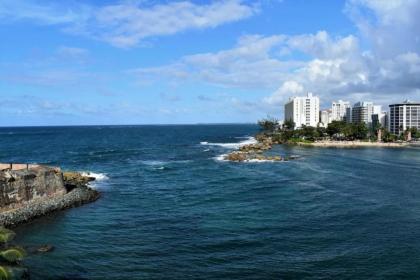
(255, 152)
(76, 192)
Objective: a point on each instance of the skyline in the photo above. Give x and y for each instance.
(166, 62)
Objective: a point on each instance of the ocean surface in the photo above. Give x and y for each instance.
(172, 209)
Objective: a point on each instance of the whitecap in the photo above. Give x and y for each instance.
(248, 141)
(220, 157)
(153, 162)
(97, 176)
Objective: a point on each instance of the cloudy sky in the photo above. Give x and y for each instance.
(146, 62)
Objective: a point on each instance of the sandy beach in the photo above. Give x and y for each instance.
(354, 144)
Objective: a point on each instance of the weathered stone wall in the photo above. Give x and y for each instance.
(21, 183)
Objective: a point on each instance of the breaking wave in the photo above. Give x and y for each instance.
(247, 141)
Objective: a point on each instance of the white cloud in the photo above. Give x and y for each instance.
(279, 97)
(385, 69)
(251, 63)
(391, 27)
(129, 23)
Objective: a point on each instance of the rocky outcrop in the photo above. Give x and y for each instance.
(29, 193)
(19, 186)
(74, 179)
(255, 152)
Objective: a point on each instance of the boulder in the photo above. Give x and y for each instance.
(76, 179)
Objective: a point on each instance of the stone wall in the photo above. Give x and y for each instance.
(20, 183)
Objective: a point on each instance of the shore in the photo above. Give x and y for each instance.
(353, 144)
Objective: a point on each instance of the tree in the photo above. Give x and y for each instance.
(289, 125)
(388, 137)
(335, 128)
(360, 131)
(320, 131)
(308, 132)
(269, 124)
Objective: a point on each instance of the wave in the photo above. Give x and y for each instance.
(248, 141)
(162, 162)
(254, 160)
(97, 176)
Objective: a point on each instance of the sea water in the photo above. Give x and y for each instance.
(172, 208)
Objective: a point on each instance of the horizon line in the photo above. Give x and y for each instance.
(149, 124)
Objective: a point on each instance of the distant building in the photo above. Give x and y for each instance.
(325, 117)
(338, 110)
(362, 112)
(380, 120)
(302, 110)
(403, 116)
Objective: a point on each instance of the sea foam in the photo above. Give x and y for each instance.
(97, 176)
(247, 141)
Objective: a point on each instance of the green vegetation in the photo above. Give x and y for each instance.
(337, 130)
(287, 134)
(10, 257)
(269, 124)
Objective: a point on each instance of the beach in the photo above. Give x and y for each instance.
(353, 144)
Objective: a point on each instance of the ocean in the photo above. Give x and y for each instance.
(171, 208)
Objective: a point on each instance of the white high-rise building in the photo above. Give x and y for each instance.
(338, 110)
(403, 116)
(302, 110)
(325, 117)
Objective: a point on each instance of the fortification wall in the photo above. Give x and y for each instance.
(21, 183)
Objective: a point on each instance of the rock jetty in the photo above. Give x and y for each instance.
(255, 152)
(31, 191)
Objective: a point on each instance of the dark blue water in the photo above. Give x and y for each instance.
(169, 210)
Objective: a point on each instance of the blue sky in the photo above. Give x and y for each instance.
(147, 62)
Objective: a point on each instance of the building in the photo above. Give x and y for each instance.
(403, 116)
(380, 120)
(302, 110)
(325, 117)
(338, 110)
(362, 112)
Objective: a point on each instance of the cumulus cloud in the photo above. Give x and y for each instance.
(379, 63)
(129, 23)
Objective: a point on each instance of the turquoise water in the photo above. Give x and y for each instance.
(171, 210)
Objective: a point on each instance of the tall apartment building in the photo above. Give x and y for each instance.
(303, 110)
(403, 116)
(338, 110)
(362, 112)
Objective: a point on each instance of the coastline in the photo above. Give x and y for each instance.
(353, 144)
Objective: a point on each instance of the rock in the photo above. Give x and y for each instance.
(45, 248)
(236, 156)
(75, 179)
(20, 186)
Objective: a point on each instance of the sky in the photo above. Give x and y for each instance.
(176, 62)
